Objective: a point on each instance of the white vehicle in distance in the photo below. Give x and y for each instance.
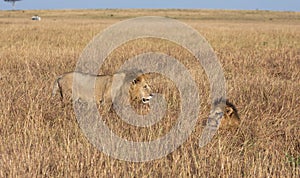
(36, 17)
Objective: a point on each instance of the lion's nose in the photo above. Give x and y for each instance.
(147, 99)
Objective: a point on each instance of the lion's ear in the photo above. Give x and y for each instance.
(134, 81)
(137, 80)
(229, 110)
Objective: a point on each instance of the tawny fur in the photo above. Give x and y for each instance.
(139, 88)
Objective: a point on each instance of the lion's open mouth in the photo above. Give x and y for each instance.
(147, 99)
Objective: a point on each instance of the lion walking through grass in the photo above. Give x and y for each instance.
(104, 92)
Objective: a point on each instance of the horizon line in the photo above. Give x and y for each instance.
(225, 9)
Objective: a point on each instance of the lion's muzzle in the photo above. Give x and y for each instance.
(146, 100)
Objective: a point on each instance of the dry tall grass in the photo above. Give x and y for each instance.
(260, 54)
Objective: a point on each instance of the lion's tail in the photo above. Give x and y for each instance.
(57, 86)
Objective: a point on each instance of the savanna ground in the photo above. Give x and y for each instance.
(260, 55)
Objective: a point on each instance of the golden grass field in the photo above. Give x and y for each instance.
(260, 55)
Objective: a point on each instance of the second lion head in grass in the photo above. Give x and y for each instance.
(231, 118)
(225, 112)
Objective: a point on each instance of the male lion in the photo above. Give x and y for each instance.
(139, 89)
(230, 119)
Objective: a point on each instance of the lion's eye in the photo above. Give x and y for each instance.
(145, 86)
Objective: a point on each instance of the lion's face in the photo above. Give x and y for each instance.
(140, 90)
(230, 119)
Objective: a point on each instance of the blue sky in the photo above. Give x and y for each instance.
(281, 5)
